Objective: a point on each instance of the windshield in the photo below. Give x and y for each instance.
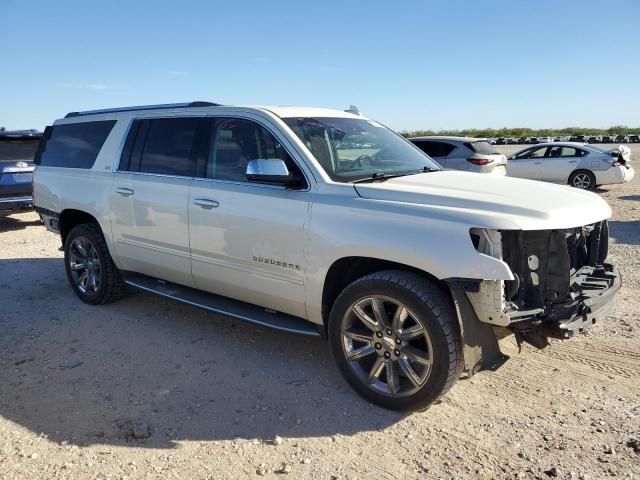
(349, 149)
(15, 150)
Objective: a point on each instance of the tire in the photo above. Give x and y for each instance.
(426, 331)
(90, 270)
(583, 179)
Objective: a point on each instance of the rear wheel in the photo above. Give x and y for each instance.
(395, 338)
(583, 179)
(90, 269)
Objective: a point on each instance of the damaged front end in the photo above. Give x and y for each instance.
(561, 286)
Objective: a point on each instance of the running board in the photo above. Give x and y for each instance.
(223, 305)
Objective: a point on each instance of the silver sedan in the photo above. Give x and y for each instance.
(577, 164)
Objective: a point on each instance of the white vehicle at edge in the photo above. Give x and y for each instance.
(324, 223)
(580, 165)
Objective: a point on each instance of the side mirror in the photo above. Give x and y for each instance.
(271, 170)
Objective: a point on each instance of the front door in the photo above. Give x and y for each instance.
(149, 201)
(248, 240)
(527, 164)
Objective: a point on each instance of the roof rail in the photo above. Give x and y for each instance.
(143, 107)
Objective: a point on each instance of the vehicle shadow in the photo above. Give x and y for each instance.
(625, 232)
(631, 197)
(89, 374)
(9, 224)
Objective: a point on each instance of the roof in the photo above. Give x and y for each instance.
(449, 137)
(291, 111)
(585, 146)
(280, 111)
(560, 144)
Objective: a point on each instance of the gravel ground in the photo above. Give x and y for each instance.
(148, 388)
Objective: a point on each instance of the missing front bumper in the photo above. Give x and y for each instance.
(593, 289)
(590, 300)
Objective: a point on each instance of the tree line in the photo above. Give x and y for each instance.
(526, 132)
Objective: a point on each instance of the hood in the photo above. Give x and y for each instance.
(491, 201)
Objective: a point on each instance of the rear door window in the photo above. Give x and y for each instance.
(75, 145)
(167, 146)
(564, 152)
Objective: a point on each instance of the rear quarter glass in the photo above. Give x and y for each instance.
(482, 148)
(75, 145)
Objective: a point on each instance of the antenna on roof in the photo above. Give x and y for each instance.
(353, 109)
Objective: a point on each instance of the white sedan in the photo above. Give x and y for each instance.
(580, 165)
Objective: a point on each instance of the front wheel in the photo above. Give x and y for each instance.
(583, 179)
(395, 338)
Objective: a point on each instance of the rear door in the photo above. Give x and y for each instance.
(560, 162)
(150, 195)
(435, 149)
(527, 164)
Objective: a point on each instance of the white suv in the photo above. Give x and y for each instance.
(463, 153)
(326, 223)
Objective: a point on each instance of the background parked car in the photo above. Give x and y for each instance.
(17, 149)
(621, 139)
(580, 165)
(463, 153)
(634, 138)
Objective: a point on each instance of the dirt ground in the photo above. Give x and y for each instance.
(148, 388)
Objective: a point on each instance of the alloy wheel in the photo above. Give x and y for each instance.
(582, 180)
(387, 346)
(84, 264)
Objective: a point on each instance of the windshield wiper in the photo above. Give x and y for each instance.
(382, 176)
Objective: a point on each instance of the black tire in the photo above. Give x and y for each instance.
(583, 179)
(110, 285)
(435, 312)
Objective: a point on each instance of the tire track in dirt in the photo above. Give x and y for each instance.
(622, 352)
(610, 363)
(607, 359)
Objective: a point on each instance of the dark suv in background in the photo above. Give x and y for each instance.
(17, 149)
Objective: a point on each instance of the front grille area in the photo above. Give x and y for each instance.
(545, 263)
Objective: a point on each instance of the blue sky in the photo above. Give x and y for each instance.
(409, 64)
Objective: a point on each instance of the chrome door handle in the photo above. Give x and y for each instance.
(125, 192)
(573, 161)
(205, 203)
(538, 163)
